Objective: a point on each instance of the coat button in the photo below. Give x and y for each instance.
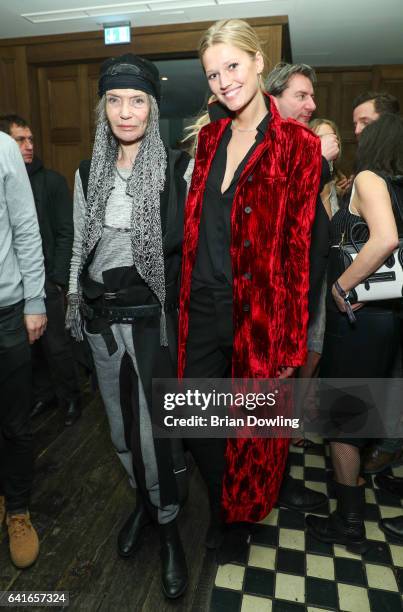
(250, 178)
(246, 243)
(248, 210)
(247, 276)
(246, 308)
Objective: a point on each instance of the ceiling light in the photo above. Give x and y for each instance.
(178, 4)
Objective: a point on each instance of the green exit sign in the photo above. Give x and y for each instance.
(117, 34)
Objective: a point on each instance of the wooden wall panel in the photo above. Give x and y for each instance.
(8, 99)
(62, 90)
(335, 92)
(390, 79)
(14, 79)
(66, 158)
(92, 78)
(64, 101)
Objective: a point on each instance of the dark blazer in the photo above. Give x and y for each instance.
(320, 244)
(54, 207)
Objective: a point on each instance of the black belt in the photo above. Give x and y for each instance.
(123, 314)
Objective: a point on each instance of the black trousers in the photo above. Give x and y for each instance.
(53, 364)
(209, 355)
(367, 349)
(16, 447)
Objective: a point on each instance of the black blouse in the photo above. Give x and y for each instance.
(213, 261)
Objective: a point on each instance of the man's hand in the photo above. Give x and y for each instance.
(345, 183)
(330, 146)
(285, 372)
(35, 325)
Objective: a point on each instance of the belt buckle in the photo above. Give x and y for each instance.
(110, 295)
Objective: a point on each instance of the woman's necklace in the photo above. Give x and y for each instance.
(122, 178)
(234, 127)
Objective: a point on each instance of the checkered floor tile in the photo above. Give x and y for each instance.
(289, 571)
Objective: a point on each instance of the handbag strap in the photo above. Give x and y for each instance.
(393, 197)
(353, 227)
(395, 206)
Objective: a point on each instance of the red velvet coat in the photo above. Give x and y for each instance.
(280, 184)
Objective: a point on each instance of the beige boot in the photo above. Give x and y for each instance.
(24, 543)
(2, 510)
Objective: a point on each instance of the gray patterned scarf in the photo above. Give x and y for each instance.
(144, 185)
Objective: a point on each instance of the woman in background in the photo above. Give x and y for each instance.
(369, 347)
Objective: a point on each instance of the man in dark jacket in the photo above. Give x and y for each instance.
(54, 370)
(292, 86)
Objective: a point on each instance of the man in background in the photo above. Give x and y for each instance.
(54, 369)
(369, 106)
(22, 322)
(292, 86)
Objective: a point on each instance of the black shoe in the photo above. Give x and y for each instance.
(129, 534)
(235, 545)
(215, 535)
(393, 527)
(393, 484)
(295, 496)
(346, 525)
(73, 412)
(174, 571)
(42, 406)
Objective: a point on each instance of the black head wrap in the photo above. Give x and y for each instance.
(129, 71)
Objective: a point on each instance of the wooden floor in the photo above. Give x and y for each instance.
(80, 499)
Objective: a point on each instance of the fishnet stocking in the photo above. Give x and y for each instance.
(346, 463)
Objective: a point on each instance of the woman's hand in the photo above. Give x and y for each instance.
(340, 303)
(285, 372)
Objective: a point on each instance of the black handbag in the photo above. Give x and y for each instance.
(386, 283)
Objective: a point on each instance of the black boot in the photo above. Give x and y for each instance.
(73, 412)
(295, 496)
(390, 483)
(42, 406)
(235, 544)
(346, 525)
(393, 527)
(129, 534)
(216, 528)
(174, 571)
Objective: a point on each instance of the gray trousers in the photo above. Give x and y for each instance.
(108, 369)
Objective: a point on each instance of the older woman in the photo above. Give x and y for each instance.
(368, 348)
(128, 217)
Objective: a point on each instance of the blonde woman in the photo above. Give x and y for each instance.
(245, 273)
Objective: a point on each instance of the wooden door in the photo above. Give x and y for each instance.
(65, 121)
(14, 79)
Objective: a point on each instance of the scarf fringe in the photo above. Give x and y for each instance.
(163, 329)
(74, 320)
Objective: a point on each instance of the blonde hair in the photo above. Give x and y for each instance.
(315, 125)
(234, 32)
